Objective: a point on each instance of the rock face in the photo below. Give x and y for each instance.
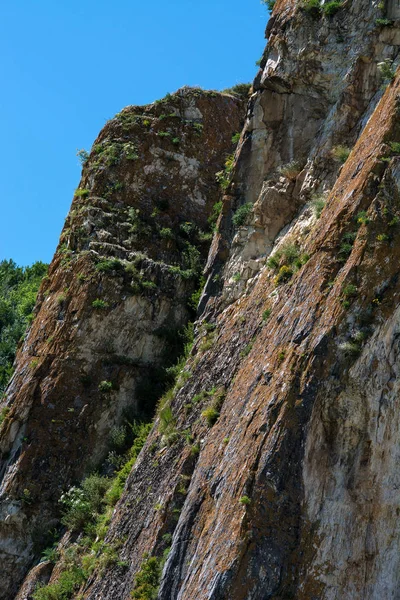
(275, 474)
(110, 312)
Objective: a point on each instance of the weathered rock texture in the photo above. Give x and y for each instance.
(110, 311)
(289, 489)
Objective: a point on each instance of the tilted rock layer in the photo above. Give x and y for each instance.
(281, 478)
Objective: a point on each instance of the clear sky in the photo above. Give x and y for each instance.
(68, 66)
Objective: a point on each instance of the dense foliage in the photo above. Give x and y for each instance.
(18, 290)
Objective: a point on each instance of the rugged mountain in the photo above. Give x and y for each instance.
(271, 469)
(112, 309)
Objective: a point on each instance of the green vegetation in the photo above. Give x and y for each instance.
(105, 386)
(382, 22)
(240, 216)
(83, 156)
(266, 314)
(223, 177)
(269, 4)
(346, 245)
(331, 8)
(236, 138)
(386, 70)
(290, 170)
(87, 509)
(315, 8)
(317, 204)
(212, 411)
(340, 153)
(82, 193)
(18, 291)
(286, 260)
(109, 265)
(83, 505)
(240, 89)
(100, 304)
(147, 580)
(216, 211)
(245, 500)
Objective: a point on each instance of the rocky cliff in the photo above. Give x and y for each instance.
(111, 313)
(271, 469)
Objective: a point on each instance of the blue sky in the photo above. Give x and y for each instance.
(69, 66)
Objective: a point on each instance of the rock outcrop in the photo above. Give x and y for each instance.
(110, 312)
(271, 468)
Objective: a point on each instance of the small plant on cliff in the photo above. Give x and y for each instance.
(216, 211)
(105, 386)
(83, 156)
(312, 7)
(331, 8)
(386, 70)
(147, 580)
(212, 411)
(382, 22)
(82, 504)
(317, 204)
(82, 193)
(240, 89)
(241, 215)
(245, 500)
(236, 138)
(290, 170)
(109, 265)
(223, 177)
(100, 304)
(3, 414)
(269, 4)
(340, 153)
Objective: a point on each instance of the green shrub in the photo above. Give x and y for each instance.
(284, 274)
(340, 153)
(216, 211)
(69, 582)
(269, 4)
(105, 386)
(242, 213)
(82, 504)
(290, 170)
(266, 314)
(317, 204)
(240, 89)
(312, 7)
(82, 193)
(83, 156)
(382, 22)
(211, 415)
(386, 69)
(18, 291)
(236, 138)
(108, 265)
(100, 304)
(245, 500)
(147, 580)
(331, 8)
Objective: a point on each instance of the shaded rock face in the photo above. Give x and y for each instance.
(110, 311)
(281, 479)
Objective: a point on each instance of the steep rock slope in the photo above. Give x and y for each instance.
(110, 311)
(287, 487)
